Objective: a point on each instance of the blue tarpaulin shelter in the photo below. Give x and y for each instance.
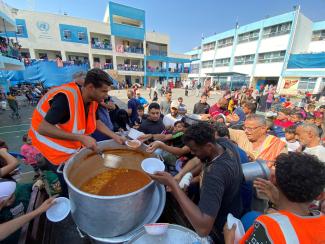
(43, 71)
(310, 60)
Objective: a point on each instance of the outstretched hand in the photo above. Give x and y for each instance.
(268, 188)
(46, 205)
(166, 179)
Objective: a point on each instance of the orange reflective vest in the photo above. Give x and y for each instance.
(58, 151)
(287, 228)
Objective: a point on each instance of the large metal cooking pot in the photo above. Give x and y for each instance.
(106, 216)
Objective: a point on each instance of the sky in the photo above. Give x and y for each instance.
(184, 21)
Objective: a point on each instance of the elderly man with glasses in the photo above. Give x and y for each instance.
(255, 141)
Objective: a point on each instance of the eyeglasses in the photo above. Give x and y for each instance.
(251, 129)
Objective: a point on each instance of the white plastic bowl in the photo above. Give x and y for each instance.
(59, 210)
(240, 231)
(152, 165)
(156, 228)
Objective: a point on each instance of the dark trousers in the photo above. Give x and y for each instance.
(44, 164)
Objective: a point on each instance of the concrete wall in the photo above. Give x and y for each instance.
(303, 35)
(276, 43)
(207, 55)
(317, 46)
(224, 52)
(270, 69)
(246, 48)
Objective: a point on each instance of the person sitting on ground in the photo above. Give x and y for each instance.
(153, 124)
(8, 163)
(300, 179)
(281, 122)
(219, 108)
(13, 203)
(308, 136)
(30, 153)
(182, 110)
(165, 104)
(142, 101)
(255, 141)
(290, 138)
(202, 107)
(170, 119)
(220, 191)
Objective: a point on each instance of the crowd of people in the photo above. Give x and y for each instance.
(10, 48)
(203, 160)
(20, 95)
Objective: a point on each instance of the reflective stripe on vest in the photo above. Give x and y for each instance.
(286, 227)
(76, 101)
(52, 144)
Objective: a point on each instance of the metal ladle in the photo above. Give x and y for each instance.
(110, 160)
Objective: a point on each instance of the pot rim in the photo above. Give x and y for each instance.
(76, 189)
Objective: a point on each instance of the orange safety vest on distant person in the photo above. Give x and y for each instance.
(58, 151)
(287, 228)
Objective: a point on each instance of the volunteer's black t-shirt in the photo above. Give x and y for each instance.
(59, 113)
(220, 191)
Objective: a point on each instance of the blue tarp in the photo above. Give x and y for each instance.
(43, 71)
(311, 60)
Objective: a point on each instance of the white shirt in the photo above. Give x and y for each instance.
(169, 120)
(292, 146)
(318, 151)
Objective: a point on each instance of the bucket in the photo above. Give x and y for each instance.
(256, 169)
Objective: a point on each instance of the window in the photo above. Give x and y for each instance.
(277, 30)
(81, 36)
(307, 83)
(195, 56)
(96, 60)
(207, 64)
(195, 68)
(318, 35)
(222, 62)
(248, 36)
(20, 30)
(209, 46)
(271, 57)
(246, 59)
(67, 34)
(225, 42)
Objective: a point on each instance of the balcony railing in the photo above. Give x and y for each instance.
(157, 53)
(170, 70)
(128, 49)
(100, 45)
(129, 67)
